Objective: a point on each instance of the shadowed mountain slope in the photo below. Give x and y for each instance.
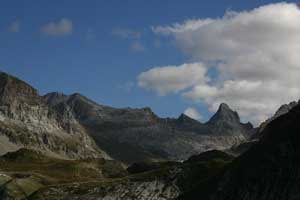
(270, 169)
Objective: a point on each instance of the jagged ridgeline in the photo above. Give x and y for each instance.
(73, 126)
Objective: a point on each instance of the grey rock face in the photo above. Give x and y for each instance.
(225, 115)
(134, 135)
(130, 190)
(27, 121)
(227, 122)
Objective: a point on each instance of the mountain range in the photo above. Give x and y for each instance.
(61, 147)
(73, 126)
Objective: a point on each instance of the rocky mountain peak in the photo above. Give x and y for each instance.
(147, 110)
(11, 88)
(183, 118)
(224, 106)
(225, 114)
(81, 99)
(55, 98)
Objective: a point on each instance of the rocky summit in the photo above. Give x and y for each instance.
(27, 121)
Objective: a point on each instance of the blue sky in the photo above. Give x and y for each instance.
(109, 45)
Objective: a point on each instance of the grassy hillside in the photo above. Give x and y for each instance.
(26, 171)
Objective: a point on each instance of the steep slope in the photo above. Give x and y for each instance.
(27, 121)
(281, 111)
(270, 169)
(133, 135)
(227, 122)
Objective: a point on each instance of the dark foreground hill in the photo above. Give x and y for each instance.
(270, 170)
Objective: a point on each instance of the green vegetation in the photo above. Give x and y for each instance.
(26, 161)
(30, 174)
(25, 171)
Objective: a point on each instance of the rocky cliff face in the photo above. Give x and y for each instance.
(227, 122)
(27, 121)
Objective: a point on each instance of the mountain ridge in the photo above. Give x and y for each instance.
(126, 134)
(82, 136)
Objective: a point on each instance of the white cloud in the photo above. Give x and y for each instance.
(61, 28)
(14, 27)
(137, 46)
(253, 100)
(188, 25)
(193, 113)
(255, 55)
(172, 79)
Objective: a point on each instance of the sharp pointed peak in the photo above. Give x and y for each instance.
(224, 106)
(147, 109)
(54, 98)
(184, 116)
(55, 94)
(76, 94)
(225, 113)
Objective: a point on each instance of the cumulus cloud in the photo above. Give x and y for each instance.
(60, 28)
(14, 27)
(193, 113)
(172, 79)
(255, 55)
